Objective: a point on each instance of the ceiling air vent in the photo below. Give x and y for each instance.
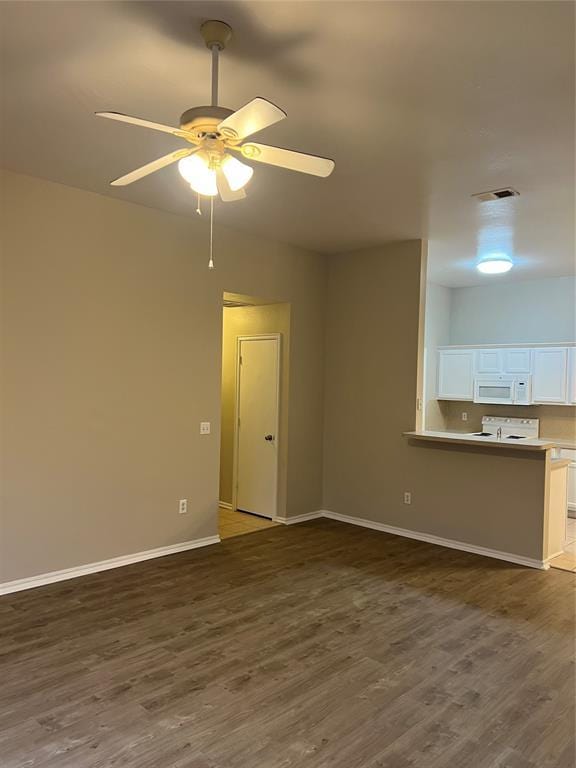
(496, 194)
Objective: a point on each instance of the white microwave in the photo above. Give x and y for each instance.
(509, 390)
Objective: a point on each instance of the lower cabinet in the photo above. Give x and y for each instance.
(566, 454)
(572, 487)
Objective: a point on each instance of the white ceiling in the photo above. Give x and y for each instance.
(421, 104)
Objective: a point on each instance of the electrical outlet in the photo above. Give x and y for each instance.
(407, 497)
(204, 427)
(183, 506)
(464, 416)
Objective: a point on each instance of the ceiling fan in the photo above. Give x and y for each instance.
(217, 136)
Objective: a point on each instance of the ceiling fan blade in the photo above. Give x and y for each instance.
(251, 118)
(287, 158)
(227, 194)
(155, 165)
(145, 124)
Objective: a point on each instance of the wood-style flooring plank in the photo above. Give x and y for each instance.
(312, 646)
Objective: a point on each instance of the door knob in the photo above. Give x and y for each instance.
(269, 438)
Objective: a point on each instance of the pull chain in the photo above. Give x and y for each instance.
(211, 261)
(198, 209)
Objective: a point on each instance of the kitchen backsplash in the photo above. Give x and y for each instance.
(557, 421)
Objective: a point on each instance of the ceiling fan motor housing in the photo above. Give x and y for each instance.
(204, 120)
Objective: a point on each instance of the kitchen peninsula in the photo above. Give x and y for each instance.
(504, 499)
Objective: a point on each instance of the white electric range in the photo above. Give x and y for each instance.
(509, 428)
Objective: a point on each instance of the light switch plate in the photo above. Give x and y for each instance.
(204, 427)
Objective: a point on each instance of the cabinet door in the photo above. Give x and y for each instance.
(517, 360)
(572, 486)
(455, 374)
(549, 375)
(572, 375)
(489, 361)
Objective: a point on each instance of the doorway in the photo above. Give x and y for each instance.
(254, 384)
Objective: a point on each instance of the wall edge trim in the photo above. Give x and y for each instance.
(300, 518)
(52, 577)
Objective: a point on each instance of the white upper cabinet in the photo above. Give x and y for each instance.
(550, 375)
(488, 361)
(572, 375)
(552, 371)
(455, 374)
(517, 360)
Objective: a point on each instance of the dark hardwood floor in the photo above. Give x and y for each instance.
(319, 645)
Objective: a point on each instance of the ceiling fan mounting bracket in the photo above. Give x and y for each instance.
(216, 33)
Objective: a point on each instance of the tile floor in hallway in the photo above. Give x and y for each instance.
(567, 560)
(234, 523)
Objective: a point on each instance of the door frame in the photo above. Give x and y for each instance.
(277, 337)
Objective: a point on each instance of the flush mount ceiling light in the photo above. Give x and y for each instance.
(211, 165)
(495, 264)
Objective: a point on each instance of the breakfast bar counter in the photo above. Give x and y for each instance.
(490, 441)
(489, 493)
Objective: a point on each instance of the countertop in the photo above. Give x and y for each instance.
(559, 463)
(561, 442)
(462, 438)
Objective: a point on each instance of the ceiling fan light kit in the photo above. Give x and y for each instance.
(217, 134)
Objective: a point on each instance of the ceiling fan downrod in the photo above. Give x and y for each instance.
(217, 35)
(215, 54)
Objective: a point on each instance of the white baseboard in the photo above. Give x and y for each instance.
(104, 565)
(549, 559)
(225, 505)
(438, 540)
(299, 518)
(117, 562)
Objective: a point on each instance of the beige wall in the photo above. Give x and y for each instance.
(483, 498)
(251, 321)
(371, 365)
(112, 357)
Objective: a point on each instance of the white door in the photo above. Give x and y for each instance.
(549, 377)
(257, 424)
(455, 374)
